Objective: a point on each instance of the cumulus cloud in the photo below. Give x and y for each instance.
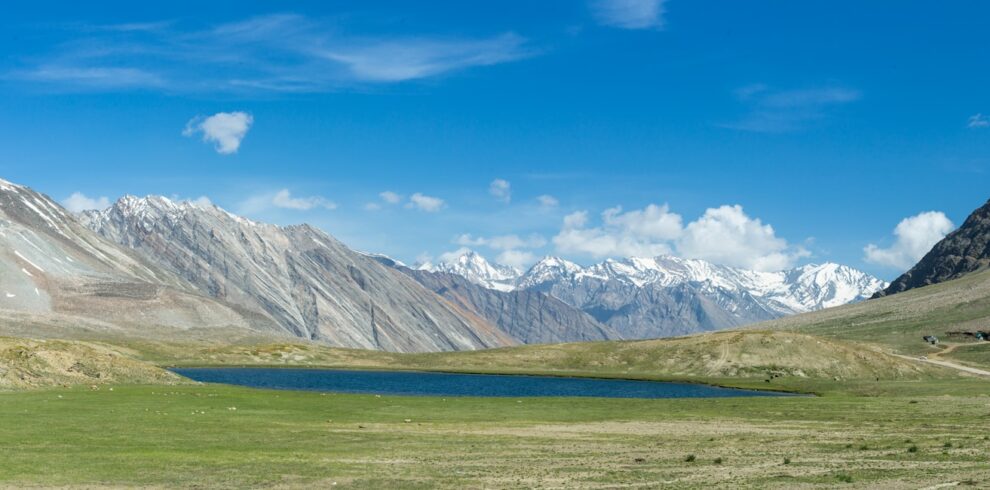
(225, 130)
(915, 236)
(726, 235)
(723, 235)
(978, 121)
(425, 203)
(517, 259)
(640, 233)
(629, 14)
(79, 202)
(390, 197)
(501, 189)
(454, 255)
(547, 201)
(283, 199)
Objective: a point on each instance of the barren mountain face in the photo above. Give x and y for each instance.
(302, 279)
(531, 317)
(51, 265)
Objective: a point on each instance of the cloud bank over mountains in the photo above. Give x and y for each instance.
(724, 235)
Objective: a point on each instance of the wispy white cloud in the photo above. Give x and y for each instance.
(79, 202)
(202, 201)
(514, 251)
(517, 259)
(277, 52)
(915, 236)
(225, 129)
(412, 59)
(90, 77)
(547, 201)
(723, 235)
(501, 242)
(778, 111)
(501, 189)
(390, 197)
(426, 203)
(629, 14)
(978, 121)
(283, 199)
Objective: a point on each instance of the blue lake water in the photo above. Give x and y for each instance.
(443, 384)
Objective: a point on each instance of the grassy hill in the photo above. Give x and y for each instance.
(28, 363)
(899, 322)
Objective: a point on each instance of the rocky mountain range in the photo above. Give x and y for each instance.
(961, 252)
(54, 270)
(530, 316)
(297, 277)
(663, 296)
(155, 266)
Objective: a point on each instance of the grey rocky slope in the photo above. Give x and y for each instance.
(52, 267)
(664, 296)
(301, 279)
(531, 317)
(961, 252)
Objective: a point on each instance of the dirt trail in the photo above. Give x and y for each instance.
(947, 350)
(935, 358)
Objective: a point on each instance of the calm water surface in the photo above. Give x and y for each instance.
(443, 384)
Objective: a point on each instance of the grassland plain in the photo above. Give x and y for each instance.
(881, 420)
(215, 436)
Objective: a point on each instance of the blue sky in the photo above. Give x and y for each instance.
(758, 134)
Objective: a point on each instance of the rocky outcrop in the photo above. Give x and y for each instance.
(961, 252)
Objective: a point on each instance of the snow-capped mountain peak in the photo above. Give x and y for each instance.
(475, 268)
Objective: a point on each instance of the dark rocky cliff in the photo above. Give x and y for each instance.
(961, 252)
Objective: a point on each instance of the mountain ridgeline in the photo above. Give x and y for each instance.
(301, 279)
(154, 267)
(642, 298)
(961, 252)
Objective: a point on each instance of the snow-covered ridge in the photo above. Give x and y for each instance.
(8, 186)
(152, 208)
(806, 288)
